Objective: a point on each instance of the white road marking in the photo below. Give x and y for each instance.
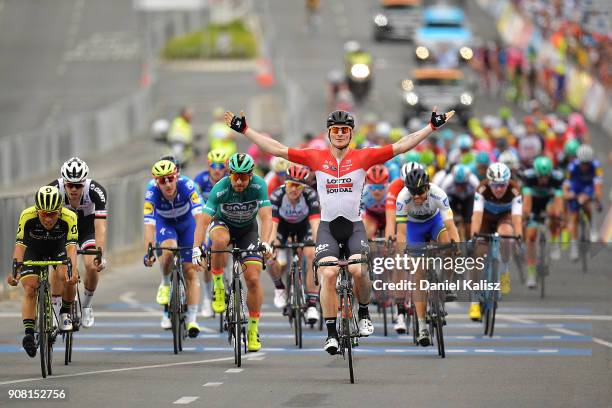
(118, 370)
(456, 351)
(484, 351)
(548, 351)
(185, 400)
(212, 384)
(255, 358)
(122, 348)
(575, 333)
(233, 370)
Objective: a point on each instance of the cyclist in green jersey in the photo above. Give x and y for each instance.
(231, 210)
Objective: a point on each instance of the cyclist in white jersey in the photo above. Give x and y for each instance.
(340, 173)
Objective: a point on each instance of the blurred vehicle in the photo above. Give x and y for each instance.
(397, 19)
(358, 67)
(446, 89)
(444, 38)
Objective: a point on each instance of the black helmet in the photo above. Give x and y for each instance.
(417, 181)
(341, 118)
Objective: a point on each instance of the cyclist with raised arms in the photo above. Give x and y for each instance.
(231, 211)
(46, 231)
(423, 214)
(173, 217)
(340, 173)
(296, 212)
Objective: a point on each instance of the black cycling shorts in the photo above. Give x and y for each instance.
(244, 238)
(351, 234)
(30, 255)
(87, 232)
(301, 230)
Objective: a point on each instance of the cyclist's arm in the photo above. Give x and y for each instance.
(314, 226)
(517, 215)
(265, 215)
(477, 212)
(200, 234)
(401, 215)
(267, 144)
(527, 201)
(19, 252)
(100, 232)
(407, 142)
(71, 251)
(389, 222)
(452, 229)
(149, 224)
(273, 231)
(446, 213)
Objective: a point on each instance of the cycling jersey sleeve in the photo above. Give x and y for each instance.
(195, 200)
(262, 198)
(478, 203)
(26, 215)
(376, 155)
(97, 193)
(149, 206)
(305, 157)
(401, 208)
(392, 193)
(70, 218)
(473, 180)
(441, 201)
(312, 200)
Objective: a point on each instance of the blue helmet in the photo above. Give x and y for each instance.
(483, 158)
(461, 173)
(465, 141)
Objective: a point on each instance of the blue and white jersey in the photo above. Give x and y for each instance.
(578, 178)
(407, 210)
(204, 183)
(186, 204)
(369, 203)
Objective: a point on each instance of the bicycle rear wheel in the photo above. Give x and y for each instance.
(584, 238)
(415, 324)
(43, 336)
(346, 328)
(175, 311)
(542, 265)
(384, 313)
(440, 336)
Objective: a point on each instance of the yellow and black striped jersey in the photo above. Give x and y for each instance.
(32, 234)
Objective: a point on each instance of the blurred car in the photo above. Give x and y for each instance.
(444, 38)
(447, 89)
(397, 19)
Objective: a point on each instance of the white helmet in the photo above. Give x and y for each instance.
(509, 159)
(75, 170)
(498, 173)
(585, 153)
(408, 167)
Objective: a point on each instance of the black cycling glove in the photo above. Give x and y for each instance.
(437, 120)
(239, 124)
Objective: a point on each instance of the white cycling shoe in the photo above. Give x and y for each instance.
(424, 339)
(365, 327)
(331, 345)
(88, 317)
(531, 282)
(166, 324)
(65, 322)
(400, 325)
(555, 252)
(312, 315)
(280, 298)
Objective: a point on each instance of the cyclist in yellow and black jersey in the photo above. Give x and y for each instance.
(46, 231)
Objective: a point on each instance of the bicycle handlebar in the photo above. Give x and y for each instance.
(17, 265)
(294, 245)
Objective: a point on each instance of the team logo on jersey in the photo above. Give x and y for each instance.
(341, 185)
(149, 195)
(195, 198)
(148, 208)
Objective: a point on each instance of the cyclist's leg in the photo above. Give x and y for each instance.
(357, 246)
(219, 240)
(185, 233)
(371, 224)
(504, 227)
(418, 234)
(276, 266)
(327, 249)
(29, 281)
(312, 290)
(87, 240)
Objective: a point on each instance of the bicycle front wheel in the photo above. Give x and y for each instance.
(346, 328)
(237, 322)
(43, 336)
(175, 311)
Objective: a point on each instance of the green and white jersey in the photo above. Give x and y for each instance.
(234, 208)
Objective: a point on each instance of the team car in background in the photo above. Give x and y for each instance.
(444, 38)
(397, 19)
(445, 88)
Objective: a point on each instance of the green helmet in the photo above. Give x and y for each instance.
(427, 157)
(505, 112)
(241, 163)
(412, 156)
(571, 147)
(542, 166)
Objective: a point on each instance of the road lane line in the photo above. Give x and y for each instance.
(118, 370)
(234, 370)
(212, 384)
(185, 400)
(575, 333)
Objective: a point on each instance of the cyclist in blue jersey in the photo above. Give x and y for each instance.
(217, 169)
(172, 217)
(585, 176)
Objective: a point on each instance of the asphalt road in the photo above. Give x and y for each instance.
(64, 57)
(551, 352)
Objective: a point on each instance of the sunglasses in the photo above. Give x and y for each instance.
(293, 184)
(345, 130)
(499, 185)
(377, 186)
(74, 186)
(167, 179)
(217, 166)
(244, 177)
(418, 191)
(48, 214)
(281, 173)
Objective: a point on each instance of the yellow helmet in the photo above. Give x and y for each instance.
(48, 198)
(163, 168)
(217, 156)
(279, 165)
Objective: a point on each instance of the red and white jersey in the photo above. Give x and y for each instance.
(340, 182)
